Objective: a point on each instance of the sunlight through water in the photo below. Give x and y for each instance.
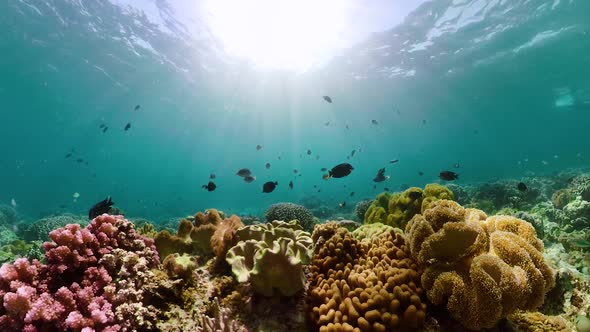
(281, 34)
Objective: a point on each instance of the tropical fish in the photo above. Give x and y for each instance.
(327, 98)
(211, 176)
(415, 194)
(347, 127)
(269, 186)
(352, 153)
(267, 165)
(374, 122)
(339, 171)
(127, 126)
(104, 130)
(295, 171)
(521, 187)
(327, 124)
(249, 179)
(100, 208)
(456, 165)
(342, 204)
(13, 203)
(386, 189)
(448, 175)
(243, 172)
(258, 147)
(290, 184)
(136, 108)
(79, 160)
(308, 152)
(68, 155)
(210, 186)
(420, 173)
(323, 169)
(393, 161)
(380, 177)
(352, 194)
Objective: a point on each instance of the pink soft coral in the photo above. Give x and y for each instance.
(69, 292)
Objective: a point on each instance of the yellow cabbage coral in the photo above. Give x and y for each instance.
(397, 209)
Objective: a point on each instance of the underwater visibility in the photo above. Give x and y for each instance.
(295, 165)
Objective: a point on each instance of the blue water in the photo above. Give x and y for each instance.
(499, 86)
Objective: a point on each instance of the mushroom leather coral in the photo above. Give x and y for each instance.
(369, 285)
(483, 269)
(397, 209)
(271, 257)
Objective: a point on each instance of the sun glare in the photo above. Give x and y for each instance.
(285, 34)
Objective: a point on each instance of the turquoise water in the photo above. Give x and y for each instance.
(499, 86)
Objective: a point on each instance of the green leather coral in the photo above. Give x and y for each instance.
(397, 209)
(481, 268)
(271, 257)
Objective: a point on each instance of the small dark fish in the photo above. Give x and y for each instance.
(85, 163)
(380, 177)
(420, 173)
(386, 189)
(351, 194)
(295, 171)
(127, 126)
(279, 157)
(308, 152)
(269, 186)
(374, 122)
(339, 171)
(68, 155)
(63, 206)
(347, 127)
(415, 195)
(323, 169)
(100, 208)
(327, 98)
(258, 147)
(393, 161)
(300, 174)
(243, 172)
(343, 204)
(448, 175)
(102, 125)
(290, 184)
(267, 165)
(136, 108)
(456, 165)
(211, 176)
(327, 124)
(104, 130)
(521, 187)
(319, 190)
(80, 160)
(352, 153)
(374, 186)
(315, 185)
(249, 179)
(210, 186)
(347, 157)
(423, 121)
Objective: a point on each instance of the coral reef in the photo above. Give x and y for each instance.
(39, 229)
(271, 257)
(95, 278)
(538, 322)
(397, 209)
(288, 212)
(482, 269)
(369, 285)
(204, 235)
(8, 215)
(361, 208)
